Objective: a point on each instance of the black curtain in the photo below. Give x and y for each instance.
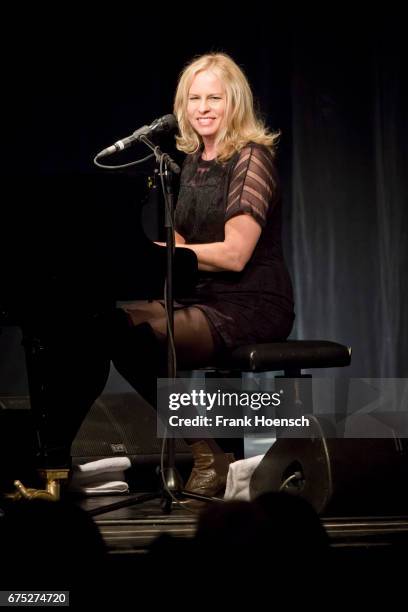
(349, 192)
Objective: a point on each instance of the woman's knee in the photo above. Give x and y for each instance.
(142, 311)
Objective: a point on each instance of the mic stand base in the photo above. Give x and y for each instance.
(166, 501)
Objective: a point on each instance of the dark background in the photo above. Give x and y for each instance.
(334, 83)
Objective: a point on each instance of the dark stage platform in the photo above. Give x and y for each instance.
(131, 530)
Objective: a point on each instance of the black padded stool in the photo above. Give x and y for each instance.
(291, 357)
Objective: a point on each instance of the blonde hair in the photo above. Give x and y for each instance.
(241, 125)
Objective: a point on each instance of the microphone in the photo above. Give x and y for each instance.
(167, 123)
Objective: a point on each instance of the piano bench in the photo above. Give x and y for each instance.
(291, 356)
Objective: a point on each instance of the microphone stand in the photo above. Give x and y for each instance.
(172, 484)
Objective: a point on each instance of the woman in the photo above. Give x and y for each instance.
(229, 213)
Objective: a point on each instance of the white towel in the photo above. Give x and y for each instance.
(101, 466)
(101, 477)
(239, 477)
(113, 487)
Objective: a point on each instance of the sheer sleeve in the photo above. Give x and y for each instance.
(253, 184)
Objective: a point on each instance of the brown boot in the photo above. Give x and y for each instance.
(210, 469)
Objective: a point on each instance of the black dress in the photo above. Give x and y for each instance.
(255, 305)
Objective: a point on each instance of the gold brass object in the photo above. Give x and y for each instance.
(52, 490)
(53, 479)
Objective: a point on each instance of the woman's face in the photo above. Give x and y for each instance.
(206, 105)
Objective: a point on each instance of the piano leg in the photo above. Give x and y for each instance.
(67, 370)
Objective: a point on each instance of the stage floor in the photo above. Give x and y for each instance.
(132, 529)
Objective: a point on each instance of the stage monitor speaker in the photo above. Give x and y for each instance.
(338, 476)
(121, 424)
